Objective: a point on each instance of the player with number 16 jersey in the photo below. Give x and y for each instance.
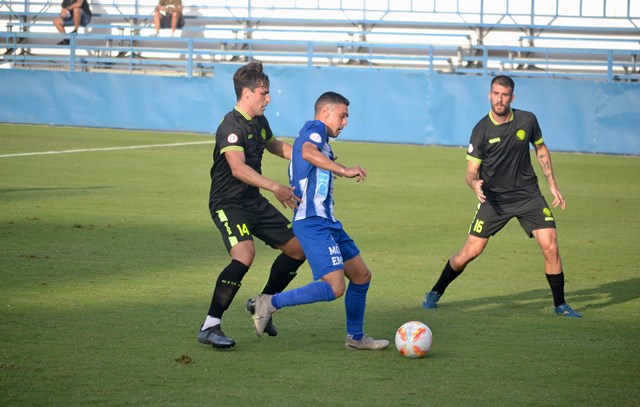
(500, 173)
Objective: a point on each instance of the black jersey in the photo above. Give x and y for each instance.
(502, 150)
(85, 5)
(238, 132)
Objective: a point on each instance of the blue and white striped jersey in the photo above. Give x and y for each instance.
(312, 184)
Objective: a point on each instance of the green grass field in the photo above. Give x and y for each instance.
(108, 259)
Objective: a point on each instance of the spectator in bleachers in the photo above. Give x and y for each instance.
(74, 13)
(168, 14)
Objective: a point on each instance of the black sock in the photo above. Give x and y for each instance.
(447, 276)
(283, 271)
(227, 285)
(556, 282)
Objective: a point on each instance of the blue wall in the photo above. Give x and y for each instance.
(386, 105)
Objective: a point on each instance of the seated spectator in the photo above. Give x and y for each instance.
(74, 13)
(168, 14)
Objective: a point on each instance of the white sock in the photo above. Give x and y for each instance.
(209, 322)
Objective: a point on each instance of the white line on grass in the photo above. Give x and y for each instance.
(85, 150)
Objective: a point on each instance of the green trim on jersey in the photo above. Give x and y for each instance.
(242, 112)
(538, 142)
(231, 148)
(511, 116)
(474, 159)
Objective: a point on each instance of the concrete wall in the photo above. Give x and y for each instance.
(386, 105)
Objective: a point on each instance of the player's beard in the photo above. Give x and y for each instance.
(500, 110)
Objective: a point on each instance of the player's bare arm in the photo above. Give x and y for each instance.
(280, 148)
(239, 169)
(311, 153)
(544, 158)
(473, 180)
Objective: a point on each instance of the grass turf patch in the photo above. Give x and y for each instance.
(108, 259)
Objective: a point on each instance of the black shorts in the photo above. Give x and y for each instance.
(260, 219)
(532, 214)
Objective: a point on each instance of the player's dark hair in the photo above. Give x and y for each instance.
(249, 76)
(330, 98)
(504, 80)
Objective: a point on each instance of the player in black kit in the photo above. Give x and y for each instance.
(239, 210)
(499, 171)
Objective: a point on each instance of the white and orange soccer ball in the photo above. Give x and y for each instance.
(413, 339)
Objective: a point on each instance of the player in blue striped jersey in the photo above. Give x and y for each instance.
(313, 185)
(331, 253)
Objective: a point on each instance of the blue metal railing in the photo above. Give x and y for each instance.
(197, 56)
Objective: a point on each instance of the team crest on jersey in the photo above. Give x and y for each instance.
(263, 134)
(470, 149)
(521, 134)
(232, 138)
(315, 137)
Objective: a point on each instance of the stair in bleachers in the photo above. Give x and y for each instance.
(439, 41)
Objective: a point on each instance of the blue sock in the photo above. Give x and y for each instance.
(355, 301)
(312, 292)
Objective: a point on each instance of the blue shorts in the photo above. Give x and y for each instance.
(84, 19)
(326, 245)
(165, 21)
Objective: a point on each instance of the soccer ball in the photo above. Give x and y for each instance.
(413, 339)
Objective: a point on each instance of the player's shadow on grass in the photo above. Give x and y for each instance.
(605, 295)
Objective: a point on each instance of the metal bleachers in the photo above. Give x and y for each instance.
(581, 39)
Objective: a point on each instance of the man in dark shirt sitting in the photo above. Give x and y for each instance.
(74, 13)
